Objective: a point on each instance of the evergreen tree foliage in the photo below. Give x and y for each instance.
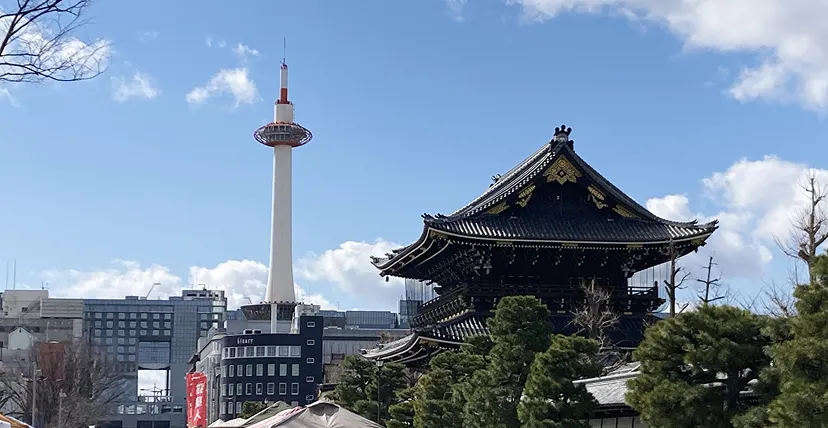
(520, 329)
(357, 374)
(802, 361)
(436, 403)
(551, 399)
(695, 366)
(364, 387)
(401, 415)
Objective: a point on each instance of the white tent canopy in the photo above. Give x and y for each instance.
(322, 414)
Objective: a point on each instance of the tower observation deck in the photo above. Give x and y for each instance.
(282, 135)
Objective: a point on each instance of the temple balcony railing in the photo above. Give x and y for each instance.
(623, 298)
(440, 300)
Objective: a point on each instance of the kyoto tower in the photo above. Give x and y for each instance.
(282, 135)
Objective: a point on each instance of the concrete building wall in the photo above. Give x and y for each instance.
(15, 302)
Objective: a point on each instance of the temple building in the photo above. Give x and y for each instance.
(543, 228)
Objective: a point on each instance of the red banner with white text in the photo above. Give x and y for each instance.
(196, 400)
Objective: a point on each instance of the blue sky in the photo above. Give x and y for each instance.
(413, 106)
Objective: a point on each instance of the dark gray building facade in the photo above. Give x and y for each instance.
(271, 367)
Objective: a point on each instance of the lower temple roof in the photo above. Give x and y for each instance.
(569, 229)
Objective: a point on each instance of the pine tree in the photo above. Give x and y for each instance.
(401, 415)
(802, 361)
(436, 401)
(695, 366)
(520, 329)
(363, 387)
(551, 399)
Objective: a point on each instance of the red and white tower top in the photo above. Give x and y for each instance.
(283, 131)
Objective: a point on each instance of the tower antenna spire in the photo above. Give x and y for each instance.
(284, 50)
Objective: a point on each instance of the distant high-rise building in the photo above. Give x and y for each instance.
(158, 335)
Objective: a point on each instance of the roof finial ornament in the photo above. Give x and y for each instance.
(562, 134)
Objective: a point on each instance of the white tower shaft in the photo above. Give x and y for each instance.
(280, 291)
(280, 276)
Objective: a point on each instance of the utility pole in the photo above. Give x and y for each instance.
(379, 372)
(35, 375)
(60, 408)
(155, 395)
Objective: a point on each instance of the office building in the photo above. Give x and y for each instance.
(158, 335)
(271, 367)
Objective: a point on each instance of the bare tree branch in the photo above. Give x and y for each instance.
(810, 224)
(38, 42)
(778, 301)
(76, 386)
(676, 281)
(711, 286)
(595, 316)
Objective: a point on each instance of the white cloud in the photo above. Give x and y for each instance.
(148, 35)
(350, 269)
(788, 37)
(243, 281)
(137, 87)
(456, 8)
(757, 202)
(234, 82)
(245, 51)
(5, 94)
(68, 56)
(210, 41)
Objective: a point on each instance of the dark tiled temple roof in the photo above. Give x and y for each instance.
(458, 330)
(454, 331)
(571, 230)
(635, 224)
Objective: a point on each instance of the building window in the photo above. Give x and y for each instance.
(238, 406)
(294, 403)
(284, 351)
(309, 379)
(296, 351)
(249, 351)
(271, 388)
(260, 351)
(271, 369)
(258, 389)
(223, 389)
(259, 369)
(294, 369)
(294, 388)
(239, 370)
(223, 370)
(309, 398)
(249, 371)
(311, 342)
(309, 360)
(223, 407)
(271, 351)
(282, 389)
(311, 324)
(248, 389)
(238, 389)
(232, 371)
(282, 369)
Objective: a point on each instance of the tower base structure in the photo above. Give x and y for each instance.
(280, 314)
